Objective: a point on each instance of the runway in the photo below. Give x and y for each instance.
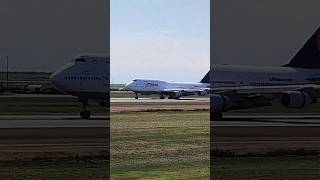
(256, 120)
(128, 100)
(52, 121)
(25, 137)
(145, 100)
(261, 134)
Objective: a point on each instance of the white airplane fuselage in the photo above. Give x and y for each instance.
(87, 77)
(145, 86)
(236, 76)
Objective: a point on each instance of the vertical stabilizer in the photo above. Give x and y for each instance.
(309, 55)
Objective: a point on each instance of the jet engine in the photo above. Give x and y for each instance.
(295, 99)
(203, 93)
(220, 103)
(176, 94)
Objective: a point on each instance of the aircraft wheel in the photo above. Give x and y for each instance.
(85, 114)
(216, 116)
(161, 96)
(136, 97)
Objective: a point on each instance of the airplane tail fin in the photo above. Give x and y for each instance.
(309, 55)
(206, 78)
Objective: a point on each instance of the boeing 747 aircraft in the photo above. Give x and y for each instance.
(295, 84)
(87, 77)
(172, 90)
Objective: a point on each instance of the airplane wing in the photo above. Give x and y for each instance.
(265, 89)
(292, 96)
(176, 92)
(186, 90)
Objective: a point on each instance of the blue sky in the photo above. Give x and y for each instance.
(159, 39)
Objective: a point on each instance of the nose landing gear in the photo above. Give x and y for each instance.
(85, 114)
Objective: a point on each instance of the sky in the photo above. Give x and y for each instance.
(159, 39)
(42, 35)
(262, 33)
(156, 39)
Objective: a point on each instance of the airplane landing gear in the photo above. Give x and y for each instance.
(85, 114)
(136, 97)
(161, 96)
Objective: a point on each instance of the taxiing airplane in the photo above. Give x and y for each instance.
(172, 90)
(295, 84)
(87, 77)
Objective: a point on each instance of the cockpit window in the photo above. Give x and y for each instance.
(80, 60)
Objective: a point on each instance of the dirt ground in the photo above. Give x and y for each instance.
(149, 106)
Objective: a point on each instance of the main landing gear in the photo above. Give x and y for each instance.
(136, 97)
(162, 96)
(85, 114)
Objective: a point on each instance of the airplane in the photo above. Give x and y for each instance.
(172, 90)
(87, 77)
(295, 84)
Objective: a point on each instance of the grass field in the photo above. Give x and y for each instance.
(46, 169)
(267, 168)
(160, 145)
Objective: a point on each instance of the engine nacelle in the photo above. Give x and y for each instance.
(295, 99)
(203, 93)
(176, 94)
(220, 103)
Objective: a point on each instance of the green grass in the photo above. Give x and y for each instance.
(160, 145)
(267, 168)
(70, 169)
